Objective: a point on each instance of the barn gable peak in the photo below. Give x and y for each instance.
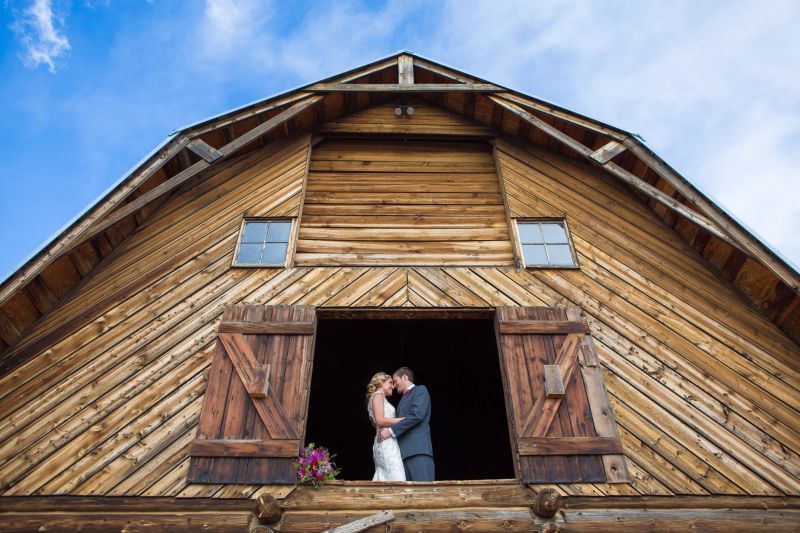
(195, 151)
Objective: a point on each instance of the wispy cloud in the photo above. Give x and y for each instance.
(40, 31)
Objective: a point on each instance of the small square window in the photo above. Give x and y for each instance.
(545, 243)
(263, 242)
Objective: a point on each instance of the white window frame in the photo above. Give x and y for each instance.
(518, 221)
(287, 261)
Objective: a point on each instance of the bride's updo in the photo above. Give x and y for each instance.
(376, 382)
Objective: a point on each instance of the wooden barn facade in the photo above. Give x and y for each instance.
(605, 347)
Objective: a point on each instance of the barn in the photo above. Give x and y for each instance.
(604, 346)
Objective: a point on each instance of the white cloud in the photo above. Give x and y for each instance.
(232, 26)
(41, 33)
(712, 87)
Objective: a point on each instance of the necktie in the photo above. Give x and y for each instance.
(406, 392)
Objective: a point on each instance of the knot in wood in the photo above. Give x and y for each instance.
(547, 503)
(268, 510)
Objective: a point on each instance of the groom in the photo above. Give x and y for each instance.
(413, 434)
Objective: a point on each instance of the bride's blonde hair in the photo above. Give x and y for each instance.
(376, 382)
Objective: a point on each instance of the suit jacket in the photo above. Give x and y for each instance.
(414, 433)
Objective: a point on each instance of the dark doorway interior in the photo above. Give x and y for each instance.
(456, 359)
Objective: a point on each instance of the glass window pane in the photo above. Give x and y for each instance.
(254, 231)
(249, 254)
(529, 232)
(560, 254)
(274, 253)
(554, 232)
(279, 231)
(534, 254)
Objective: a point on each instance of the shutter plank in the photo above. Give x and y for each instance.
(212, 412)
(566, 446)
(577, 417)
(569, 446)
(267, 327)
(235, 419)
(541, 350)
(244, 448)
(616, 470)
(257, 439)
(545, 409)
(251, 372)
(534, 327)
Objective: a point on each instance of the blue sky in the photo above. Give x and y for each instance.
(89, 87)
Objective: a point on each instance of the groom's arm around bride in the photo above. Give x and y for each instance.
(413, 433)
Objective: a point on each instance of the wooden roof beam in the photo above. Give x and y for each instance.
(622, 174)
(204, 150)
(195, 169)
(405, 69)
(404, 88)
(607, 152)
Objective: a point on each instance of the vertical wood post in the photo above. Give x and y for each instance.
(405, 70)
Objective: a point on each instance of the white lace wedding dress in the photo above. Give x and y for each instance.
(386, 454)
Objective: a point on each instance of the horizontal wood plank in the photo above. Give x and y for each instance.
(266, 328)
(568, 445)
(244, 448)
(543, 327)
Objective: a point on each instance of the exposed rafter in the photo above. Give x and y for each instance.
(404, 88)
(616, 170)
(197, 168)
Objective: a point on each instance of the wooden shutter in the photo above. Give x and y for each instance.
(561, 421)
(252, 423)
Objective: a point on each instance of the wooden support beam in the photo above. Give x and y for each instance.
(266, 328)
(664, 199)
(401, 88)
(77, 234)
(608, 152)
(204, 150)
(569, 446)
(195, 169)
(244, 448)
(625, 176)
(549, 327)
(405, 69)
(444, 72)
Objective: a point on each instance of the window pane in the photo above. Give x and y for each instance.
(254, 231)
(249, 254)
(554, 232)
(279, 231)
(529, 232)
(560, 254)
(534, 254)
(274, 253)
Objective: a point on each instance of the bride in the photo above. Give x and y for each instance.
(386, 454)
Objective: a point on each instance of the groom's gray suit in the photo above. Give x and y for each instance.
(414, 434)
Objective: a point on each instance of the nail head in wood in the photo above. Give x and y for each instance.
(547, 503)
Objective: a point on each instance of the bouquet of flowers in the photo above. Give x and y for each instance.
(315, 465)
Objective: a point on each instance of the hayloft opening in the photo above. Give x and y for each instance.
(455, 358)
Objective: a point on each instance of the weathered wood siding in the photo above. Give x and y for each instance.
(403, 202)
(704, 388)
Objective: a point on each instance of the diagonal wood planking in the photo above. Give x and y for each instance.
(694, 414)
